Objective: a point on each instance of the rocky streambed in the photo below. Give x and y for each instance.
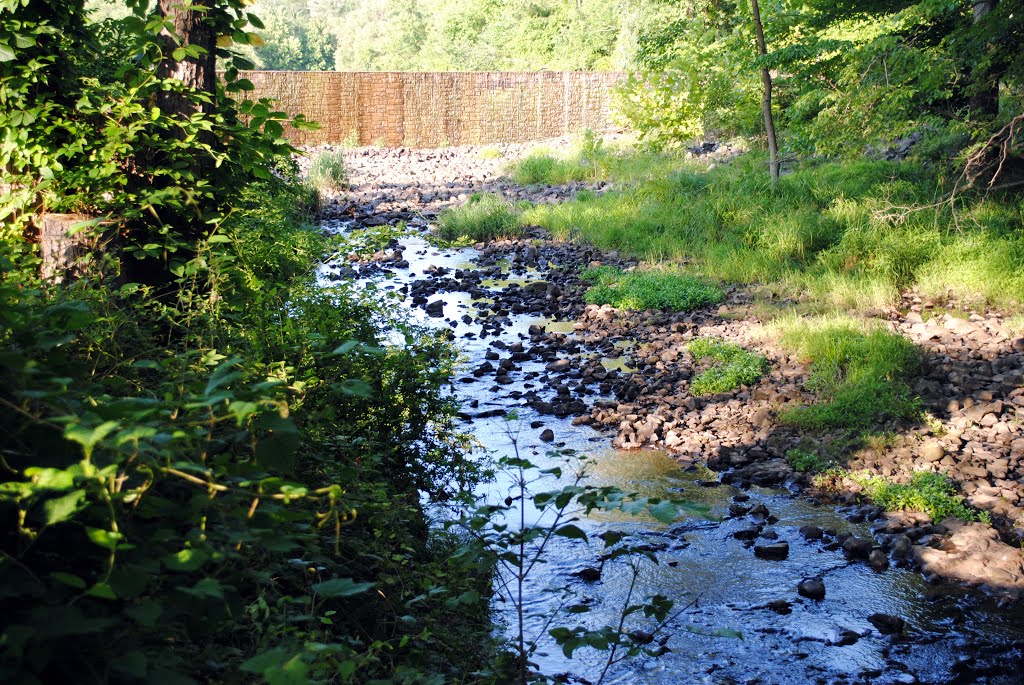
(822, 591)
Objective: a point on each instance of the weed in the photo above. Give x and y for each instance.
(735, 367)
(491, 152)
(484, 217)
(859, 371)
(327, 171)
(548, 170)
(806, 461)
(931, 493)
(639, 290)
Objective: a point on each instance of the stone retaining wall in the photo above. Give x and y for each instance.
(433, 109)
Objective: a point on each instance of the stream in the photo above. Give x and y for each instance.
(952, 634)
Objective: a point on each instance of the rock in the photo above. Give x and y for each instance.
(780, 606)
(811, 532)
(589, 574)
(435, 308)
(812, 588)
(878, 561)
(887, 624)
(846, 638)
(856, 548)
(932, 451)
(558, 366)
(547, 435)
(748, 533)
(774, 552)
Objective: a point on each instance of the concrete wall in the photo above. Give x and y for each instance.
(414, 109)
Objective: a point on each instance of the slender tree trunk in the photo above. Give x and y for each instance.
(984, 103)
(766, 101)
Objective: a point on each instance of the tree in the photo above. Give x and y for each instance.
(766, 102)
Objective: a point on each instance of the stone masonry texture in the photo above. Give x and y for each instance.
(437, 109)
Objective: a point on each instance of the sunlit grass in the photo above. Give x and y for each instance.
(484, 217)
(859, 370)
(734, 366)
(851, 235)
(649, 289)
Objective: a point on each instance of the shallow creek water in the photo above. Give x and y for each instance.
(953, 635)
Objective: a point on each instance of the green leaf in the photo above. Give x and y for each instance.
(572, 532)
(341, 587)
(107, 539)
(6, 53)
(207, 587)
(102, 590)
(62, 508)
(666, 512)
(68, 579)
(186, 560)
(261, 662)
(89, 437)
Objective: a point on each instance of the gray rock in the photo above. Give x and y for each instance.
(812, 588)
(878, 561)
(887, 624)
(856, 548)
(777, 551)
(547, 435)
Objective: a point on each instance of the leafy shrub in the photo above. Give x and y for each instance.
(735, 366)
(930, 493)
(327, 171)
(640, 290)
(859, 370)
(484, 217)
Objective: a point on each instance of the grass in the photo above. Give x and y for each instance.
(550, 170)
(859, 371)
(484, 217)
(649, 289)
(490, 152)
(735, 367)
(327, 172)
(806, 461)
(930, 493)
(838, 231)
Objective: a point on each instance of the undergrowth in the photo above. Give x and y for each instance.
(927, 492)
(484, 217)
(649, 289)
(858, 370)
(734, 366)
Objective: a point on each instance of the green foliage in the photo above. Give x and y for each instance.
(734, 366)
(548, 170)
(806, 461)
(649, 289)
(327, 171)
(849, 234)
(484, 217)
(859, 371)
(930, 493)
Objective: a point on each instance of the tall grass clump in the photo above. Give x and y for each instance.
(484, 217)
(327, 171)
(734, 366)
(549, 170)
(858, 370)
(649, 289)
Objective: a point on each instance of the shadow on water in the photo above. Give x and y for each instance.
(952, 632)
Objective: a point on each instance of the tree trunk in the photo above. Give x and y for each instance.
(198, 73)
(984, 102)
(766, 101)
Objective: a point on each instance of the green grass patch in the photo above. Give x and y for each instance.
(549, 170)
(851, 234)
(650, 289)
(734, 366)
(806, 461)
(327, 171)
(484, 217)
(930, 493)
(859, 371)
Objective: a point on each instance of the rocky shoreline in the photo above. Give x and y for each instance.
(629, 372)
